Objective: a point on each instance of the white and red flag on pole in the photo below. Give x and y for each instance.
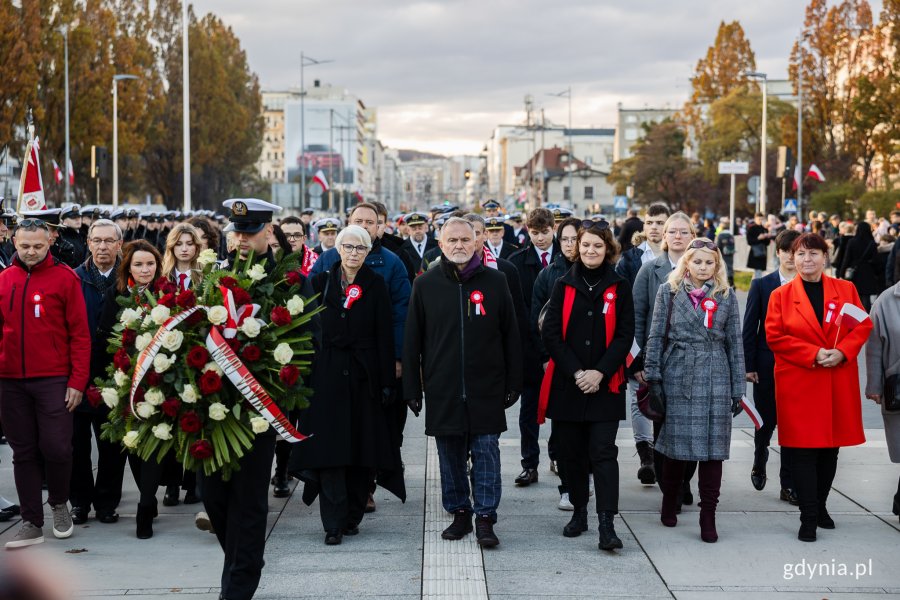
(31, 186)
(57, 173)
(319, 178)
(849, 317)
(359, 195)
(633, 353)
(71, 173)
(750, 408)
(815, 173)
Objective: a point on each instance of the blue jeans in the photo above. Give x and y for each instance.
(529, 430)
(453, 454)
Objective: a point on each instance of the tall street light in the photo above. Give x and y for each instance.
(115, 92)
(305, 61)
(65, 32)
(803, 39)
(185, 106)
(567, 93)
(761, 206)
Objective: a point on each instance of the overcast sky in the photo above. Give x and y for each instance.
(443, 73)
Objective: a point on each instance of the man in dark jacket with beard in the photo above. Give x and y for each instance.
(462, 349)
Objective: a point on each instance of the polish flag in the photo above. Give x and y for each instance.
(633, 353)
(31, 185)
(71, 173)
(57, 173)
(320, 179)
(359, 195)
(815, 173)
(488, 259)
(796, 177)
(750, 408)
(850, 316)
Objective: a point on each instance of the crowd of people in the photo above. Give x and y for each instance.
(461, 315)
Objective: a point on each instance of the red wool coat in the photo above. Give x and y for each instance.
(817, 407)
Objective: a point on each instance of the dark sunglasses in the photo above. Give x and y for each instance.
(601, 224)
(28, 223)
(697, 244)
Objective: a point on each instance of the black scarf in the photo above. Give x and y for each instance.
(97, 279)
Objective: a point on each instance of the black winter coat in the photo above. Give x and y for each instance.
(753, 233)
(585, 345)
(631, 225)
(95, 302)
(860, 255)
(465, 363)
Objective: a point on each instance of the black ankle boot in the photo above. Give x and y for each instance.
(645, 473)
(823, 519)
(807, 531)
(578, 524)
(144, 520)
(608, 538)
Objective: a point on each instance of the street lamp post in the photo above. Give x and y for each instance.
(305, 61)
(761, 206)
(115, 92)
(65, 31)
(567, 93)
(185, 106)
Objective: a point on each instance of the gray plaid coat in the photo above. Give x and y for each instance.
(701, 371)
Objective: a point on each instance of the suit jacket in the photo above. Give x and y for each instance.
(409, 255)
(506, 249)
(650, 276)
(757, 355)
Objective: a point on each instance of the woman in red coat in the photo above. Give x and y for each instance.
(817, 391)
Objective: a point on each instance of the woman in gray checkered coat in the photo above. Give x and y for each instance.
(699, 371)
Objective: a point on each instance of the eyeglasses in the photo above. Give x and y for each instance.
(350, 249)
(295, 236)
(600, 224)
(102, 242)
(29, 223)
(697, 244)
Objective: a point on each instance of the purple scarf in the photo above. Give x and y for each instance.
(466, 273)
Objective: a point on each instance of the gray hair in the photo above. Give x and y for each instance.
(357, 231)
(104, 223)
(458, 221)
(475, 218)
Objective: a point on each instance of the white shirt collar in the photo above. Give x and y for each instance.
(648, 254)
(106, 273)
(548, 251)
(782, 278)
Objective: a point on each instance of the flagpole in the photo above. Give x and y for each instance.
(836, 336)
(30, 129)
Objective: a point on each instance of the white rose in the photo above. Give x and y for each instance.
(110, 396)
(295, 306)
(120, 377)
(161, 362)
(142, 341)
(257, 272)
(217, 411)
(145, 410)
(131, 439)
(258, 424)
(207, 257)
(129, 316)
(283, 353)
(160, 314)
(163, 431)
(147, 322)
(189, 395)
(217, 315)
(212, 366)
(154, 396)
(171, 341)
(250, 327)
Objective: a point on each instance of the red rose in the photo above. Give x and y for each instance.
(164, 286)
(201, 449)
(289, 374)
(251, 353)
(167, 299)
(280, 316)
(190, 422)
(197, 357)
(196, 317)
(170, 406)
(128, 336)
(93, 396)
(138, 397)
(229, 282)
(186, 299)
(121, 359)
(210, 383)
(152, 378)
(233, 343)
(241, 297)
(293, 277)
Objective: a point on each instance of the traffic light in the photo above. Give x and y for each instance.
(784, 162)
(99, 162)
(468, 174)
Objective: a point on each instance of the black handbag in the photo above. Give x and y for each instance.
(650, 409)
(891, 398)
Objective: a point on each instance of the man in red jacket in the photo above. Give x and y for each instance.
(45, 348)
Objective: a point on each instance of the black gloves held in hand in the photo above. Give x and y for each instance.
(415, 406)
(511, 398)
(736, 407)
(656, 397)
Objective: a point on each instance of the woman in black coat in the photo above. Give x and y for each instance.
(758, 239)
(351, 379)
(587, 384)
(858, 258)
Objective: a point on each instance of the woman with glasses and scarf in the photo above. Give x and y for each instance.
(588, 330)
(695, 362)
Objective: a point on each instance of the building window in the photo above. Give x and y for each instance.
(566, 192)
(631, 119)
(631, 134)
(588, 192)
(588, 160)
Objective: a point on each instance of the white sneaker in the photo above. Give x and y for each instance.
(590, 486)
(62, 521)
(28, 535)
(564, 503)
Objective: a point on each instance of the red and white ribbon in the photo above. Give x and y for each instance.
(709, 307)
(309, 260)
(477, 298)
(38, 299)
(609, 298)
(353, 293)
(236, 316)
(831, 308)
(488, 258)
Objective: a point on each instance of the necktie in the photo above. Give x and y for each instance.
(182, 279)
(543, 259)
(419, 248)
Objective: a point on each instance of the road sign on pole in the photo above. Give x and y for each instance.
(790, 206)
(732, 167)
(620, 203)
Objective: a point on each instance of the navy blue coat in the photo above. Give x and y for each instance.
(629, 265)
(758, 358)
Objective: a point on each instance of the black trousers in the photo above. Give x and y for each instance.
(813, 470)
(343, 492)
(590, 448)
(106, 492)
(553, 454)
(764, 397)
(238, 509)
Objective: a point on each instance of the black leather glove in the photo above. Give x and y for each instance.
(511, 398)
(736, 407)
(415, 406)
(656, 396)
(387, 395)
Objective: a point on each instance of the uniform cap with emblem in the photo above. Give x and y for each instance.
(119, 214)
(493, 223)
(490, 204)
(7, 216)
(560, 213)
(49, 216)
(327, 224)
(90, 211)
(416, 218)
(70, 212)
(307, 211)
(250, 215)
(515, 217)
(443, 208)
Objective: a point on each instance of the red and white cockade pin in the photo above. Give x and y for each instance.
(354, 293)
(477, 298)
(608, 299)
(38, 304)
(831, 308)
(709, 307)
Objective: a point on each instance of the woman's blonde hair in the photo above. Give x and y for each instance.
(169, 262)
(720, 279)
(677, 216)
